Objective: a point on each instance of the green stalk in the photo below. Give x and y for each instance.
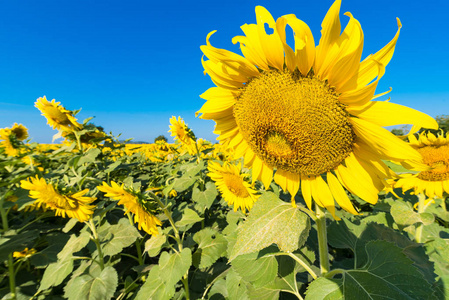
(322, 240)
(78, 140)
(178, 239)
(97, 242)
(421, 209)
(12, 275)
(137, 243)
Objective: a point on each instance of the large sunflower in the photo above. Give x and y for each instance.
(143, 210)
(308, 114)
(57, 116)
(232, 185)
(74, 205)
(435, 151)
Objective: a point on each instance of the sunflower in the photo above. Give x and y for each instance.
(25, 253)
(57, 116)
(181, 131)
(142, 209)
(20, 131)
(74, 205)
(8, 142)
(232, 185)
(435, 151)
(308, 114)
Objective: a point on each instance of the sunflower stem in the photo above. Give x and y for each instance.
(96, 240)
(12, 276)
(443, 203)
(185, 278)
(301, 262)
(421, 209)
(78, 140)
(322, 239)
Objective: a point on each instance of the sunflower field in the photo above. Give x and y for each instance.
(305, 196)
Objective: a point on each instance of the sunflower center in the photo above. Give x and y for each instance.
(438, 159)
(234, 184)
(294, 123)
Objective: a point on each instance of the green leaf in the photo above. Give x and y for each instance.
(236, 287)
(174, 266)
(211, 246)
(256, 268)
(206, 198)
(183, 183)
(55, 273)
(114, 238)
(272, 221)
(74, 244)
(89, 156)
(88, 287)
(345, 234)
(189, 216)
(155, 288)
(154, 245)
(387, 274)
(404, 215)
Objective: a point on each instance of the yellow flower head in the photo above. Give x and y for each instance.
(9, 141)
(57, 116)
(143, 215)
(305, 110)
(435, 151)
(181, 131)
(25, 253)
(73, 205)
(20, 131)
(232, 185)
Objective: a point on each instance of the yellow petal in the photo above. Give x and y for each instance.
(218, 76)
(266, 176)
(270, 43)
(251, 47)
(230, 59)
(388, 114)
(384, 141)
(353, 184)
(323, 196)
(349, 54)
(218, 100)
(330, 33)
(306, 191)
(362, 95)
(339, 194)
(304, 54)
(257, 168)
(368, 68)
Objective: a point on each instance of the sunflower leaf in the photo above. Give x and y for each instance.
(155, 288)
(271, 221)
(116, 237)
(88, 287)
(387, 274)
(206, 198)
(404, 215)
(211, 246)
(189, 217)
(174, 266)
(256, 268)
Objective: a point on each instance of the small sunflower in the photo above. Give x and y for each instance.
(25, 253)
(435, 151)
(232, 185)
(142, 210)
(303, 116)
(7, 142)
(181, 131)
(20, 131)
(57, 116)
(74, 205)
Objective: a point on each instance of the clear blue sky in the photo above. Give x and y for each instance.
(133, 64)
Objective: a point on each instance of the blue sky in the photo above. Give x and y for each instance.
(133, 64)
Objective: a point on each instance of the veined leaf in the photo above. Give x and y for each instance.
(155, 288)
(93, 288)
(189, 216)
(211, 246)
(206, 198)
(174, 266)
(387, 274)
(404, 215)
(114, 238)
(272, 221)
